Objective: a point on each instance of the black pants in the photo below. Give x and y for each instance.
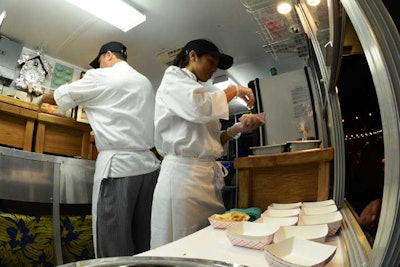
(124, 215)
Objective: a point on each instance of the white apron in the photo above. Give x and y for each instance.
(103, 163)
(188, 191)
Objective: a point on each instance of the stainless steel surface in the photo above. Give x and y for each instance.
(148, 261)
(302, 145)
(266, 150)
(28, 176)
(32, 177)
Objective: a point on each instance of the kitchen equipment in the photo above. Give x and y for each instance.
(282, 221)
(285, 206)
(318, 203)
(318, 210)
(147, 261)
(281, 212)
(296, 252)
(271, 149)
(302, 145)
(251, 234)
(315, 233)
(333, 219)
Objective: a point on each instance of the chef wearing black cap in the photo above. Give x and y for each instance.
(188, 135)
(119, 103)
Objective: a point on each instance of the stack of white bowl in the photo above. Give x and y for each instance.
(282, 214)
(301, 243)
(321, 212)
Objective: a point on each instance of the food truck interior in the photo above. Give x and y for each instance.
(339, 60)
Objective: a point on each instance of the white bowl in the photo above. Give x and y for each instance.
(298, 252)
(281, 213)
(333, 220)
(315, 233)
(318, 210)
(282, 221)
(284, 206)
(318, 203)
(251, 234)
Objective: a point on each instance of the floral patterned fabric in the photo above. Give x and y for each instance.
(28, 240)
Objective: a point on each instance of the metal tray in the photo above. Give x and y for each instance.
(270, 149)
(148, 261)
(303, 145)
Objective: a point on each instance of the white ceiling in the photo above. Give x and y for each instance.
(72, 35)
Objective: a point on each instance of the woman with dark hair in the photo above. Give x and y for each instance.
(188, 135)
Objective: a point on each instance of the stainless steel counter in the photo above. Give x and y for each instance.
(33, 177)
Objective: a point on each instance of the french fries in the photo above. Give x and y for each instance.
(235, 216)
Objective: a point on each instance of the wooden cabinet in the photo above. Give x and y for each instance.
(23, 126)
(62, 136)
(284, 177)
(17, 121)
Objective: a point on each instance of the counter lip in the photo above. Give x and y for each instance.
(315, 155)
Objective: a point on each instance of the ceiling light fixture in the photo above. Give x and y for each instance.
(115, 12)
(3, 15)
(284, 8)
(313, 2)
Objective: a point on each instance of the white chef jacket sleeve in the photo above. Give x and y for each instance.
(190, 100)
(80, 92)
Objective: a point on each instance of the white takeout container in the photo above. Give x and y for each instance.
(282, 221)
(251, 234)
(297, 252)
(318, 203)
(267, 150)
(302, 145)
(315, 233)
(318, 210)
(281, 212)
(285, 206)
(333, 220)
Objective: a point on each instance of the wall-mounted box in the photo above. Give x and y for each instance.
(9, 54)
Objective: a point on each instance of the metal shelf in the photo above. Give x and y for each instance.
(282, 34)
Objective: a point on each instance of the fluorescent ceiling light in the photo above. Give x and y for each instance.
(2, 17)
(313, 2)
(115, 12)
(284, 8)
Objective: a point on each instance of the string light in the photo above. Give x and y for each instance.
(361, 135)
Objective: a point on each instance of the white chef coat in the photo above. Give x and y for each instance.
(187, 116)
(119, 103)
(187, 134)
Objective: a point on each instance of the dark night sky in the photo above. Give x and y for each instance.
(357, 95)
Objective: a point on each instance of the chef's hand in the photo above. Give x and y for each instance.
(246, 94)
(247, 123)
(49, 99)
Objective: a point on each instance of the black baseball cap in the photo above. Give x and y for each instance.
(112, 47)
(225, 61)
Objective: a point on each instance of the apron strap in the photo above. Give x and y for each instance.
(220, 172)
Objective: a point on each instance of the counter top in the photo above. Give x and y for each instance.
(18, 103)
(212, 244)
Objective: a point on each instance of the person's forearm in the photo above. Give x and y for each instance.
(224, 137)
